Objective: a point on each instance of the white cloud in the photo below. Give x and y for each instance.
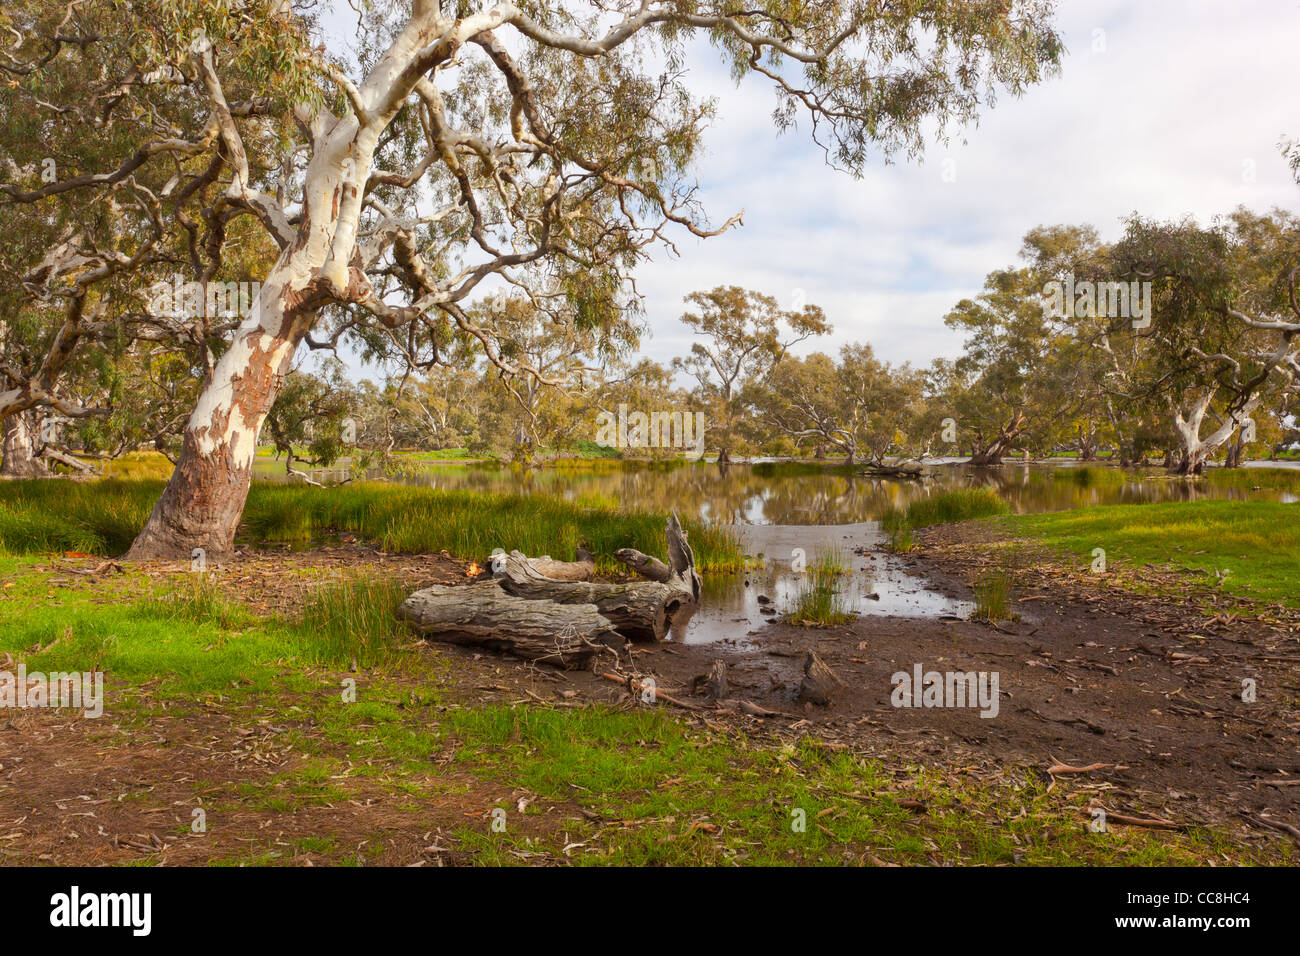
(1160, 119)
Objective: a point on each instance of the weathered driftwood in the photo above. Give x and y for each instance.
(819, 682)
(530, 613)
(644, 565)
(484, 615)
(717, 682)
(679, 570)
(639, 610)
(580, 570)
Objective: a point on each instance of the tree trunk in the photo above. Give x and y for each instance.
(21, 457)
(1196, 450)
(562, 622)
(820, 683)
(639, 610)
(204, 499)
(1236, 448)
(992, 455)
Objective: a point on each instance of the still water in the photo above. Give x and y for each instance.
(808, 494)
(777, 508)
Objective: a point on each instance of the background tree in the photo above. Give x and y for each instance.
(859, 406)
(1223, 324)
(457, 145)
(1017, 373)
(313, 422)
(746, 334)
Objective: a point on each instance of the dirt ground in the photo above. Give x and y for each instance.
(1148, 687)
(1149, 684)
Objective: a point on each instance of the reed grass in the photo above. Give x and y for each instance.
(355, 616)
(961, 504)
(820, 598)
(103, 517)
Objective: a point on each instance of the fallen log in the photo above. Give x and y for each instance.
(639, 610)
(909, 468)
(483, 615)
(582, 569)
(527, 612)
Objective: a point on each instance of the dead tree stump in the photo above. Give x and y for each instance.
(819, 682)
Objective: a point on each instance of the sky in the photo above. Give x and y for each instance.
(1164, 107)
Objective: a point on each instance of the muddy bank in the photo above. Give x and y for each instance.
(1090, 674)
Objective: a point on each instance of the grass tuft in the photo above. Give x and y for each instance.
(354, 616)
(820, 599)
(961, 504)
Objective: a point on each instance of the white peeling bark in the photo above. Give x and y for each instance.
(1197, 450)
(18, 447)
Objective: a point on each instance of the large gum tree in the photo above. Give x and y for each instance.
(455, 145)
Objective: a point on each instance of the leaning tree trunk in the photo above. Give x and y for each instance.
(204, 499)
(21, 458)
(992, 455)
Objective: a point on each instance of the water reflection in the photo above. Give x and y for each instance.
(734, 607)
(785, 494)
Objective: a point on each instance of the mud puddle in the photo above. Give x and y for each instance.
(735, 608)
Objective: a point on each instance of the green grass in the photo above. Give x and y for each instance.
(899, 538)
(356, 614)
(183, 637)
(590, 449)
(139, 464)
(659, 790)
(992, 589)
(820, 599)
(1276, 479)
(961, 504)
(677, 796)
(1090, 476)
(103, 517)
(1256, 542)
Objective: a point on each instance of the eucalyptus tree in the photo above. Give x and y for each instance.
(862, 407)
(311, 421)
(550, 362)
(1018, 377)
(457, 144)
(1224, 322)
(746, 334)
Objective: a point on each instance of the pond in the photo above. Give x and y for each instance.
(780, 507)
(811, 494)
